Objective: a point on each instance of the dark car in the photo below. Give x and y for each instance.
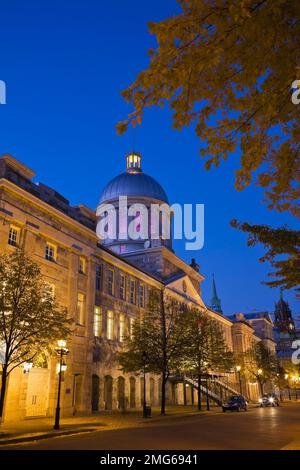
(235, 403)
(268, 399)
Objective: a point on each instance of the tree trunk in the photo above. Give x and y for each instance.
(3, 390)
(163, 394)
(199, 393)
(164, 347)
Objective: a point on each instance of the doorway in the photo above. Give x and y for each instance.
(95, 392)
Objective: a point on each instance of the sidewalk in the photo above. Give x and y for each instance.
(42, 428)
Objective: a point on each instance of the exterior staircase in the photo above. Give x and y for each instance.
(218, 398)
(227, 387)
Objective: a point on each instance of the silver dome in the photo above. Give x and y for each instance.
(133, 184)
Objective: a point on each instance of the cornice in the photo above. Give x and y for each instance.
(47, 208)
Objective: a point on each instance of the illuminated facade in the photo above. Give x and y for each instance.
(104, 290)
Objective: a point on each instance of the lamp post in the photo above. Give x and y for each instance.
(238, 369)
(61, 351)
(259, 373)
(144, 359)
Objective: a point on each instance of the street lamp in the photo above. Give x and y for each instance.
(144, 359)
(238, 368)
(61, 351)
(259, 372)
(27, 366)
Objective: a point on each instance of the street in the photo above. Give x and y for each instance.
(259, 428)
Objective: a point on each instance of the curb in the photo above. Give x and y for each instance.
(48, 435)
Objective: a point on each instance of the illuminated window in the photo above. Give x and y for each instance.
(122, 287)
(122, 327)
(110, 325)
(98, 322)
(142, 295)
(82, 265)
(131, 327)
(99, 277)
(110, 282)
(80, 309)
(50, 252)
(13, 236)
(132, 292)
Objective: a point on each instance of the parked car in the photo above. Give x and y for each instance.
(268, 399)
(235, 403)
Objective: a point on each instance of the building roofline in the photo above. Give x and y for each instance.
(62, 216)
(18, 166)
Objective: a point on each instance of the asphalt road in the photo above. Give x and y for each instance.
(266, 428)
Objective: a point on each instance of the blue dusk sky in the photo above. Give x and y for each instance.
(65, 63)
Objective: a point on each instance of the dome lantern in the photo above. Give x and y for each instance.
(133, 160)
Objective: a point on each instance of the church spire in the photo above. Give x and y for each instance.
(283, 315)
(215, 302)
(281, 294)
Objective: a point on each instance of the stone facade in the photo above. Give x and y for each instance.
(103, 293)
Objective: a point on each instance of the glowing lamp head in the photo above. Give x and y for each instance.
(61, 343)
(259, 371)
(27, 366)
(238, 368)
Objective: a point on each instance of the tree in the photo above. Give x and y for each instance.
(160, 334)
(230, 69)
(30, 320)
(227, 67)
(205, 348)
(283, 252)
(261, 364)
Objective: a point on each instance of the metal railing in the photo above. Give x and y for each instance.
(227, 387)
(205, 390)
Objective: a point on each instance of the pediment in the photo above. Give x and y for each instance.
(183, 286)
